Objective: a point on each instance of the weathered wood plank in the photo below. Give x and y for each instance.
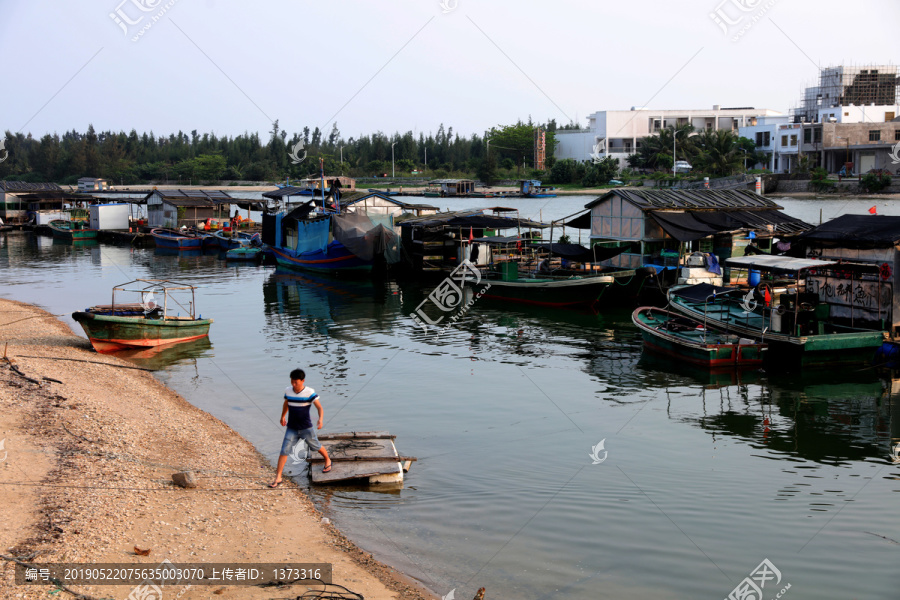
(319, 459)
(343, 471)
(358, 435)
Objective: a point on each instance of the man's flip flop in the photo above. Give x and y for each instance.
(275, 484)
(326, 469)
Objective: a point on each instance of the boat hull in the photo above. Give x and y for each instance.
(336, 260)
(566, 293)
(694, 345)
(110, 333)
(67, 233)
(165, 239)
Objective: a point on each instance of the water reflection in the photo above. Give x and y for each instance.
(162, 357)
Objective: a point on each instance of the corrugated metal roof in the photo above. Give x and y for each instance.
(21, 186)
(193, 197)
(441, 181)
(690, 199)
(210, 194)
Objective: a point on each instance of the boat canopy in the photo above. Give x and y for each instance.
(780, 263)
(701, 292)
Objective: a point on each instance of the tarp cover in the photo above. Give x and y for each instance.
(684, 227)
(367, 238)
(694, 225)
(857, 231)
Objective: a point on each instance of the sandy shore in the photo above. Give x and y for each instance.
(85, 476)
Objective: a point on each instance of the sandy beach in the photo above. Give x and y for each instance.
(86, 464)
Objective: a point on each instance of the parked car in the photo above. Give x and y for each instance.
(682, 166)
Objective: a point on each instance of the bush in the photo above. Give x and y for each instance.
(873, 182)
(819, 181)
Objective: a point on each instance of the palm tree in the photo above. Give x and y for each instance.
(719, 152)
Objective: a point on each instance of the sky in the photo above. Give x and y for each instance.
(230, 66)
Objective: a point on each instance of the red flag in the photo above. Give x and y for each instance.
(768, 297)
(471, 237)
(873, 211)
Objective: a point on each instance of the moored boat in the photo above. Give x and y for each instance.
(168, 238)
(147, 322)
(72, 230)
(796, 306)
(683, 338)
(244, 253)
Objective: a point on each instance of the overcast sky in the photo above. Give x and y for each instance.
(230, 66)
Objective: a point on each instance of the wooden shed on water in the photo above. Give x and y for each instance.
(174, 208)
(659, 227)
(453, 187)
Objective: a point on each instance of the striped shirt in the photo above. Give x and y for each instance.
(298, 406)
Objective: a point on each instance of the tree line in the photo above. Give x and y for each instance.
(198, 157)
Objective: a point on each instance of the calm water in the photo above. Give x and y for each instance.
(703, 476)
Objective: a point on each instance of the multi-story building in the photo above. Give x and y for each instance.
(617, 133)
(849, 120)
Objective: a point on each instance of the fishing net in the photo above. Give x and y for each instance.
(367, 236)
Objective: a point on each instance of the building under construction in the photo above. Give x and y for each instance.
(877, 85)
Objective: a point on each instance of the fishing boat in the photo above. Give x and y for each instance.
(532, 188)
(244, 253)
(72, 230)
(810, 312)
(683, 338)
(555, 292)
(179, 240)
(147, 321)
(331, 239)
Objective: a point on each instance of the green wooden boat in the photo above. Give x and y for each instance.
(682, 338)
(793, 308)
(147, 322)
(75, 231)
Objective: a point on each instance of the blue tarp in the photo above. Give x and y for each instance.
(313, 235)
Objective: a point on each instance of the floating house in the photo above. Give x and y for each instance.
(17, 198)
(175, 208)
(863, 295)
(453, 187)
(659, 227)
(377, 203)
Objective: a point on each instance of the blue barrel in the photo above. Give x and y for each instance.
(754, 277)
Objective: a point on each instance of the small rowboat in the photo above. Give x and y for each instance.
(168, 238)
(146, 323)
(71, 230)
(683, 338)
(245, 253)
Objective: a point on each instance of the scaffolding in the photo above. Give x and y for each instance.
(845, 85)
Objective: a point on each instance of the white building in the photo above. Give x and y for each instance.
(92, 184)
(617, 133)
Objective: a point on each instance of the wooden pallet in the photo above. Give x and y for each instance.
(367, 455)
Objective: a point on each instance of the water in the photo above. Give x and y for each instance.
(701, 478)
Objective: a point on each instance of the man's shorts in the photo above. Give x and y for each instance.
(292, 436)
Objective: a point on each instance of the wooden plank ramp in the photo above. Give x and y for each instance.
(369, 455)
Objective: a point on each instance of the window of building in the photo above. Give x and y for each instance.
(783, 140)
(889, 116)
(793, 140)
(846, 114)
(874, 135)
(807, 136)
(897, 136)
(767, 138)
(759, 138)
(817, 135)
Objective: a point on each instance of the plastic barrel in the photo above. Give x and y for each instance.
(754, 277)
